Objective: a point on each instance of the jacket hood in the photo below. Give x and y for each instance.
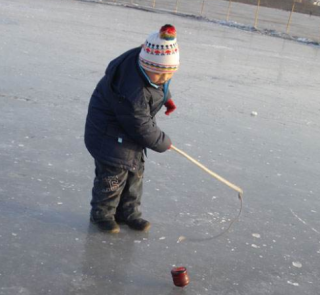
(118, 71)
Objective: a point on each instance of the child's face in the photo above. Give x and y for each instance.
(159, 79)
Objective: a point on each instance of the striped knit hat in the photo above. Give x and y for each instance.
(160, 52)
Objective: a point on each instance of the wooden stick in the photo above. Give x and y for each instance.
(176, 10)
(256, 16)
(202, 7)
(290, 16)
(215, 175)
(229, 9)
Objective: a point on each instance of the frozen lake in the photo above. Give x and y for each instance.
(247, 107)
(303, 27)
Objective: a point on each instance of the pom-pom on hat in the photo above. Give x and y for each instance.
(160, 52)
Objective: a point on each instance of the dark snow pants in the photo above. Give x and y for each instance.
(116, 193)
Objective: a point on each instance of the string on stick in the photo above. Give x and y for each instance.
(221, 179)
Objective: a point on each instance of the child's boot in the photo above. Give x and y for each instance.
(139, 224)
(108, 225)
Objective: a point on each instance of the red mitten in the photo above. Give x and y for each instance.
(170, 107)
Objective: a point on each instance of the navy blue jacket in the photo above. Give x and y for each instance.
(121, 115)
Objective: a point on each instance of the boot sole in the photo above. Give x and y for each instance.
(100, 226)
(146, 229)
(113, 231)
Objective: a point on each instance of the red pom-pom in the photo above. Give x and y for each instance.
(168, 32)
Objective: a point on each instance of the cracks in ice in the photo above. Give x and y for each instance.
(177, 94)
(15, 97)
(304, 222)
(34, 101)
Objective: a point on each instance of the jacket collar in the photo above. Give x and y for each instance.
(146, 76)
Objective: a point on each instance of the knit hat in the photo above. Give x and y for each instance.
(160, 52)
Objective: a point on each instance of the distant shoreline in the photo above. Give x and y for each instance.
(301, 6)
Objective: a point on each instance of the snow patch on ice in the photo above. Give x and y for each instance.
(297, 264)
(293, 283)
(254, 114)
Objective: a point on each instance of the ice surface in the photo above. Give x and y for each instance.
(52, 54)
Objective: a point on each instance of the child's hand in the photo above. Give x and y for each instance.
(170, 107)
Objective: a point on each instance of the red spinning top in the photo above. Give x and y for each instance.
(180, 276)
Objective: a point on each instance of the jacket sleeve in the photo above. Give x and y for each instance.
(133, 114)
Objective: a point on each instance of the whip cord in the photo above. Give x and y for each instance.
(221, 179)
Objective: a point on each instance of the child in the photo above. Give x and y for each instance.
(121, 124)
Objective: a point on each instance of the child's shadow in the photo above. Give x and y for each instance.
(108, 262)
(112, 263)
